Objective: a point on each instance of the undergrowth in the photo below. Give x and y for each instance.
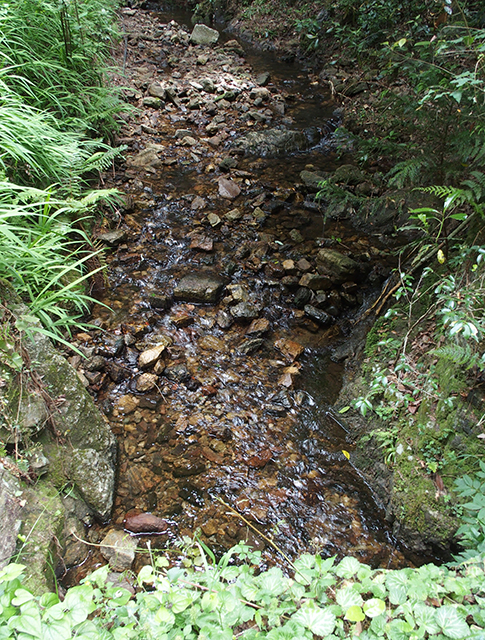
(209, 600)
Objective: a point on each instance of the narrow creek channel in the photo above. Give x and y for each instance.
(214, 364)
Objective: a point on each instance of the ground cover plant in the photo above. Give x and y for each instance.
(204, 599)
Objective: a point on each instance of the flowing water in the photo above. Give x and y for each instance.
(222, 417)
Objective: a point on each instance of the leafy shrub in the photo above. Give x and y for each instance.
(228, 599)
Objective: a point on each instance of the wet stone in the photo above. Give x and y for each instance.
(188, 468)
(149, 357)
(127, 404)
(303, 265)
(145, 523)
(146, 382)
(302, 297)
(157, 91)
(258, 327)
(177, 373)
(244, 311)
(251, 345)
(224, 320)
(322, 318)
(315, 282)
(192, 494)
(119, 549)
(233, 215)
(199, 287)
(289, 348)
(203, 243)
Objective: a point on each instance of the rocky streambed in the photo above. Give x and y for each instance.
(229, 293)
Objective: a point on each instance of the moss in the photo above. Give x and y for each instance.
(42, 524)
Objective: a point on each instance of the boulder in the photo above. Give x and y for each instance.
(10, 510)
(204, 35)
(199, 287)
(276, 142)
(89, 451)
(337, 266)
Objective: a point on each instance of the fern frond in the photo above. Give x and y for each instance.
(101, 160)
(406, 173)
(461, 356)
(93, 197)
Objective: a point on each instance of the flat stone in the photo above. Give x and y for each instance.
(303, 265)
(145, 523)
(146, 382)
(251, 345)
(181, 133)
(112, 238)
(212, 343)
(199, 287)
(149, 357)
(312, 180)
(322, 318)
(157, 91)
(204, 35)
(258, 327)
(233, 215)
(202, 243)
(244, 311)
(315, 282)
(262, 79)
(127, 404)
(119, 548)
(336, 265)
(214, 220)
(228, 189)
(289, 348)
(197, 203)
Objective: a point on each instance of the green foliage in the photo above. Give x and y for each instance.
(472, 531)
(44, 253)
(231, 598)
(54, 52)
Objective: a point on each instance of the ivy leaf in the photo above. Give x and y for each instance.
(348, 597)
(11, 571)
(374, 607)
(354, 614)
(347, 568)
(319, 621)
(451, 623)
(26, 623)
(21, 597)
(425, 618)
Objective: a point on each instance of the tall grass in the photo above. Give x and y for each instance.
(53, 108)
(56, 52)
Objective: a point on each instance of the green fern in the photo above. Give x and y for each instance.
(101, 160)
(461, 356)
(407, 173)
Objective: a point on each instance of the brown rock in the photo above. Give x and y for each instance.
(258, 327)
(151, 356)
(127, 404)
(228, 189)
(202, 243)
(146, 382)
(289, 348)
(145, 523)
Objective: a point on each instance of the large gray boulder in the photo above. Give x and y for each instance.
(10, 515)
(85, 451)
(199, 287)
(204, 35)
(276, 142)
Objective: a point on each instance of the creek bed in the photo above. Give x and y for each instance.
(236, 407)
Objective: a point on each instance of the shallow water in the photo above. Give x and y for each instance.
(220, 423)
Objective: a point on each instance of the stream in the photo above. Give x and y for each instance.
(222, 313)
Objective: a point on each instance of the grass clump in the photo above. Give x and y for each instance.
(54, 111)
